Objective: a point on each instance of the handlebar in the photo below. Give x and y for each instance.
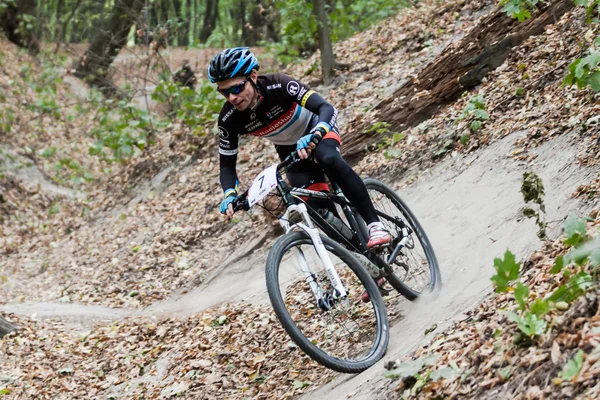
(241, 201)
(294, 158)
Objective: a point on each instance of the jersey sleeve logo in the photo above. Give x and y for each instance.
(293, 88)
(223, 134)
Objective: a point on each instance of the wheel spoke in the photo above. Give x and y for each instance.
(349, 331)
(415, 265)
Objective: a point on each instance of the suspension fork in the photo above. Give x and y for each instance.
(308, 227)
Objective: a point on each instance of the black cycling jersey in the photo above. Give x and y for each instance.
(284, 114)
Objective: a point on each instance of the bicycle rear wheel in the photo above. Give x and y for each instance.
(415, 270)
(347, 335)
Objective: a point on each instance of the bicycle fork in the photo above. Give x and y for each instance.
(325, 300)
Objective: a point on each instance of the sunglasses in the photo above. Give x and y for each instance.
(236, 89)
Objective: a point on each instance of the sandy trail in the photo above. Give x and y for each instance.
(470, 208)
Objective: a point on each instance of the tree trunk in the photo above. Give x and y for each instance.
(327, 57)
(57, 30)
(6, 327)
(12, 16)
(210, 19)
(93, 66)
(271, 17)
(67, 21)
(456, 69)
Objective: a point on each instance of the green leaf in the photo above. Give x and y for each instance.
(574, 230)
(48, 152)
(392, 153)
(481, 114)
(464, 139)
(559, 264)
(595, 257)
(581, 281)
(410, 368)
(581, 69)
(443, 373)
(532, 325)
(539, 307)
(505, 372)
(299, 384)
(507, 270)
(475, 126)
(594, 81)
(572, 367)
(513, 317)
(591, 60)
(4, 391)
(577, 285)
(562, 293)
(521, 293)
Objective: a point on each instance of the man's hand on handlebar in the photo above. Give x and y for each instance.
(227, 206)
(308, 143)
(234, 203)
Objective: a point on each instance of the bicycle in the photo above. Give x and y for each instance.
(343, 255)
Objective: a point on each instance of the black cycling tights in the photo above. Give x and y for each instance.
(337, 169)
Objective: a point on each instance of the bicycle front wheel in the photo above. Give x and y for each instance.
(347, 334)
(415, 270)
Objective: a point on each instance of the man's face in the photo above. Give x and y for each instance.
(243, 99)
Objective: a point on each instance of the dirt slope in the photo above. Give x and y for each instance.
(470, 208)
(153, 248)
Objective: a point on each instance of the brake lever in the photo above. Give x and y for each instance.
(241, 202)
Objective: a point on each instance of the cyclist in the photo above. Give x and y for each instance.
(289, 114)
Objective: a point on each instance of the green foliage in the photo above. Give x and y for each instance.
(410, 368)
(559, 264)
(532, 189)
(574, 231)
(415, 369)
(475, 112)
(521, 292)
(4, 4)
(519, 9)
(299, 26)
(529, 323)
(53, 210)
(194, 108)
(590, 5)
(48, 152)
(475, 108)
(573, 366)
(584, 72)
(539, 308)
(387, 145)
(122, 128)
(530, 319)
(507, 270)
(44, 84)
(76, 172)
(7, 115)
(583, 250)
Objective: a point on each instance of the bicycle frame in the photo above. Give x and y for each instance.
(291, 197)
(293, 202)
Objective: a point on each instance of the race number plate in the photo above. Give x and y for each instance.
(262, 185)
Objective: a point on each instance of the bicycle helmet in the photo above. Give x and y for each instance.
(229, 63)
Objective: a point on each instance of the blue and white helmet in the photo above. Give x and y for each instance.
(229, 63)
